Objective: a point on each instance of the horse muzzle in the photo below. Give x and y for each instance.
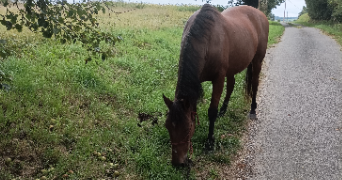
(180, 161)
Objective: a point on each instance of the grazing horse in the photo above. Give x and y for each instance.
(214, 46)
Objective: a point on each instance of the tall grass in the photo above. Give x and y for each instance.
(63, 118)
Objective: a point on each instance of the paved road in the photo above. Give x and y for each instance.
(298, 134)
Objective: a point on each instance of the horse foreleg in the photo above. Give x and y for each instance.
(230, 88)
(212, 111)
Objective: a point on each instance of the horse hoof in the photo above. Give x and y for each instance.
(209, 146)
(253, 117)
(209, 150)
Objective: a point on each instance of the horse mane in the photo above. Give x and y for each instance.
(177, 112)
(189, 85)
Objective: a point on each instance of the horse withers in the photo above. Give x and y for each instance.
(214, 46)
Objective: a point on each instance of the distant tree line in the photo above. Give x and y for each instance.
(324, 9)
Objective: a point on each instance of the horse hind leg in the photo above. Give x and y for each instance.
(230, 88)
(256, 65)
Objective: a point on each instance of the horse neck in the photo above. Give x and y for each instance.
(191, 100)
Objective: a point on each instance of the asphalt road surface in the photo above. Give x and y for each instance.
(298, 134)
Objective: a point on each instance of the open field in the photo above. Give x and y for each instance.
(63, 118)
(331, 28)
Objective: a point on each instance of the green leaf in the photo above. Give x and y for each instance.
(19, 27)
(3, 22)
(6, 3)
(28, 6)
(42, 22)
(14, 19)
(77, 28)
(80, 12)
(70, 13)
(34, 26)
(28, 16)
(61, 20)
(56, 30)
(8, 25)
(47, 33)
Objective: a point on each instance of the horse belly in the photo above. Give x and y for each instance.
(240, 59)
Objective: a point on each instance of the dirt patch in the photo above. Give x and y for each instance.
(153, 117)
(21, 158)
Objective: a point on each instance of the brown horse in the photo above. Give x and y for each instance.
(214, 46)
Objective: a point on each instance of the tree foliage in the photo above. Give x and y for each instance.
(304, 10)
(265, 5)
(271, 16)
(66, 22)
(324, 9)
(336, 5)
(319, 9)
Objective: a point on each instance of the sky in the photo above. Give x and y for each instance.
(293, 6)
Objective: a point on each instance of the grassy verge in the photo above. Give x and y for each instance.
(65, 119)
(275, 32)
(331, 28)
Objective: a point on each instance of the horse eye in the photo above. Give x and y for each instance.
(174, 124)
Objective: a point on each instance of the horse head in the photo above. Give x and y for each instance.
(181, 124)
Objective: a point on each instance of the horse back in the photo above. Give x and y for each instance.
(248, 23)
(244, 33)
(221, 43)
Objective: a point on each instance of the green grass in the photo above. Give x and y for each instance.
(60, 111)
(331, 28)
(275, 32)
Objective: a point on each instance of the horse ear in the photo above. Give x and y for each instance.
(167, 101)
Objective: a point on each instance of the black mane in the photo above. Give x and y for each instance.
(189, 85)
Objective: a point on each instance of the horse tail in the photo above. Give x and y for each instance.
(248, 82)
